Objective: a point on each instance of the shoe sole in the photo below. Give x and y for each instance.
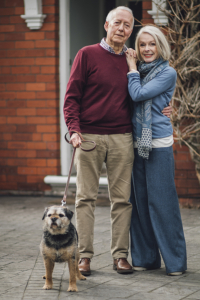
(86, 273)
(175, 273)
(139, 269)
(122, 271)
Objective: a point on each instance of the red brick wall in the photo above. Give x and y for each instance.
(187, 184)
(29, 104)
(29, 99)
(146, 18)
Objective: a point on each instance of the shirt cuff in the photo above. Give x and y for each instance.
(133, 71)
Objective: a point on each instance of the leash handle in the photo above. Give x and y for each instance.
(82, 142)
(72, 160)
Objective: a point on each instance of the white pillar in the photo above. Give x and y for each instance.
(64, 70)
(33, 14)
(159, 17)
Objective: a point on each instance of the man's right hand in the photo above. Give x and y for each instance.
(75, 140)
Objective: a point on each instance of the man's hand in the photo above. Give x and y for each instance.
(167, 111)
(75, 140)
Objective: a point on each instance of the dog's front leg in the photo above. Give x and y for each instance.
(78, 273)
(72, 276)
(49, 265)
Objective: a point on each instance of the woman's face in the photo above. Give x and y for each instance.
(147, 47)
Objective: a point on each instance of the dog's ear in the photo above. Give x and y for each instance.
(45, 213)
(68, 213)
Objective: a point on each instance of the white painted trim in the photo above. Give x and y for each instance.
(159, 17)
(62, 180)
(58, 184)
(64, 72)
(33, 14)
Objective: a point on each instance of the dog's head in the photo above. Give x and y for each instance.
(57, 219)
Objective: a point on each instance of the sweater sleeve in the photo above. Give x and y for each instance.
(74, 92)
(158, 85)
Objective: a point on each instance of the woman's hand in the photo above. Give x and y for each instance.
(131, 58)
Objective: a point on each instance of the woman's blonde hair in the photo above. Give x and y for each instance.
(160, 39)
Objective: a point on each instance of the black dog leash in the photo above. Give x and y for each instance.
(73, 154)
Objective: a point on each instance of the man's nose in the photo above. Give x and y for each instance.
(121, 26)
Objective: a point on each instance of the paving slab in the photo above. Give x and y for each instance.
(21, 265)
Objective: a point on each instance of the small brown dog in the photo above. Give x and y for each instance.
(60, 244)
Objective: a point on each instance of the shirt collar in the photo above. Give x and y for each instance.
(104, 45)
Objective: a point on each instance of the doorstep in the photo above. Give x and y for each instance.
(58, 184)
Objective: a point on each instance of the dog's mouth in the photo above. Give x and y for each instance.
(54, 225)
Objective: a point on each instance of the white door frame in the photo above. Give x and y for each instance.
(64, 73)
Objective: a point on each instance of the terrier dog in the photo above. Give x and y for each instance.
(59, 244)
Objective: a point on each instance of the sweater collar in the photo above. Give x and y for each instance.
(104, 45)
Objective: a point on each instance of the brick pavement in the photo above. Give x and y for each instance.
(21, 265)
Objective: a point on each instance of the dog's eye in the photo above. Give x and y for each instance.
(49, 215)
(60, 215)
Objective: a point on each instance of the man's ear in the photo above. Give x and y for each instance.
(106, 26)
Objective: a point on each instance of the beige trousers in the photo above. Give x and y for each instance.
(116, 150)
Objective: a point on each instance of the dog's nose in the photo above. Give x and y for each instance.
(54, 219)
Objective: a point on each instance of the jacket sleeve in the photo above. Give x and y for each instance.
(158, 85)
(74, 92)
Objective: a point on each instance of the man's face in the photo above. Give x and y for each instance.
(119, 28)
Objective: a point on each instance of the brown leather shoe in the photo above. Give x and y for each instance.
(122, 266)
(84, 266)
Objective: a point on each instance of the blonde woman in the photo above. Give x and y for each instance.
(156, 225)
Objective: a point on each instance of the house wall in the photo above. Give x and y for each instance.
(187, 184)
(29, 104)
(146, 18)
(29, 100)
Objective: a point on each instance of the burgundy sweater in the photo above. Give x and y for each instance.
(96, 100)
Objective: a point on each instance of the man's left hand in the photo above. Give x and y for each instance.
(167, 111)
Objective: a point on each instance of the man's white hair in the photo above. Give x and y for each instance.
(111, 14)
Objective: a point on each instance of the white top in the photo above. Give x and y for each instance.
(160, 143)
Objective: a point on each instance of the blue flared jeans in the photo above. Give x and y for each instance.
(156, 226)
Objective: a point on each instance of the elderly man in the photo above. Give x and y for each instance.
(97, 106)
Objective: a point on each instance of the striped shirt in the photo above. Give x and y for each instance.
(104, 45)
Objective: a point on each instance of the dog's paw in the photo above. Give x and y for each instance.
(72, 288)
(47, 287)
(82, 277)
(44, 277)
